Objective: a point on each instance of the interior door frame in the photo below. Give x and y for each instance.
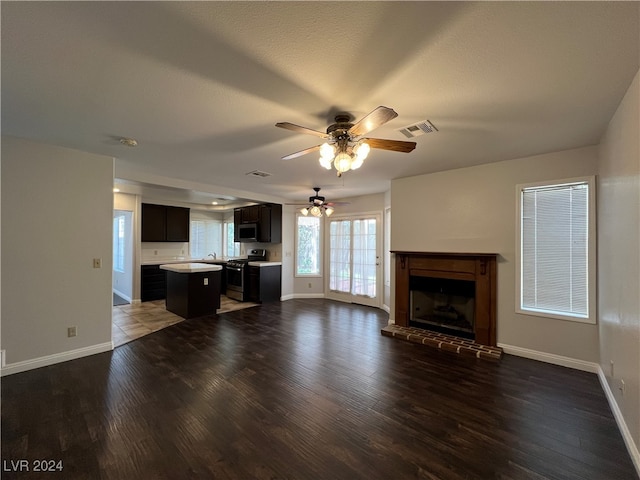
(348, 297)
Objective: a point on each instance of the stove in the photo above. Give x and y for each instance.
(237, 273)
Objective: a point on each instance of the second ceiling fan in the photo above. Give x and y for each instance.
(346, 147)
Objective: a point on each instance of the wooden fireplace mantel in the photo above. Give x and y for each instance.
(477, 267)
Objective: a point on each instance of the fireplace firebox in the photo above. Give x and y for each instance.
(452, 293)
(442, 304)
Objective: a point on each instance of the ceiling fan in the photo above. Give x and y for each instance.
(346, 147)
(318, 206)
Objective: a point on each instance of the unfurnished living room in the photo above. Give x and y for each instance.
(320, 240)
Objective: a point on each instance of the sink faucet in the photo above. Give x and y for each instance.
(212, 255)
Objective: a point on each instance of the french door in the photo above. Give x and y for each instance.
(354, 259)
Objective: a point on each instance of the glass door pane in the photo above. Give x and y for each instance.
(354, 256)
(364, 258)
(340, 256)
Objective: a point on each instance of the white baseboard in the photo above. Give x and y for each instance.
(302, 295)
(550, 358)
(632, 448)
(120, 294)
(55, 358)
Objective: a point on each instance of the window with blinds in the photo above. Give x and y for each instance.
(556, 256)
(205, 238)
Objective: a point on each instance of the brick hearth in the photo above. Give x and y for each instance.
(443, 342)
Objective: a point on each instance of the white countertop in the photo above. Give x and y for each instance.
(191, 267)
(261, 263)
(162, 261)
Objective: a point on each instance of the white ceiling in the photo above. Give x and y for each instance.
(200, 85)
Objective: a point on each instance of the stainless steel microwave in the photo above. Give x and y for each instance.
(248, 232)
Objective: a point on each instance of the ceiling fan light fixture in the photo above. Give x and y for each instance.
(362, 150)
(304, 211)
(328, 211)
(342, 162)
(326, 162)
(316, 211)
(327, 151)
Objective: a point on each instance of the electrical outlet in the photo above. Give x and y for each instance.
(206, 281)
(97, 263)
(72, 331)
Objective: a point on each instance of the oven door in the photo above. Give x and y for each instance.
(235, 282)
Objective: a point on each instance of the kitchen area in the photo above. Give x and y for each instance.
(176, 278)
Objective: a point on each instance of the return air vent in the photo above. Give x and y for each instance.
(258, 173)
(417, 129)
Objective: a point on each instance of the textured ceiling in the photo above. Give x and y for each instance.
(200, 85)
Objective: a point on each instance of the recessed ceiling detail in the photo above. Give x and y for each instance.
(417, 129)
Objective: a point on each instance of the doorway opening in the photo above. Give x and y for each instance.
(122, 257)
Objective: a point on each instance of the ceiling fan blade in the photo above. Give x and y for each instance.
(302, 152)
(299, 129)
(379, 116)
(394, 145)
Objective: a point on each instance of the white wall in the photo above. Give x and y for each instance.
(57, 211)
(619, 256)
(474, 210)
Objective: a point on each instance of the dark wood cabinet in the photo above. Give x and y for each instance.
(264, 284)
(161, 223)
(237, 220)
(177, 224)
(268, 218)
(153, 283)
(251, 214)
(270, 230)
(154, 223)
(191, 295)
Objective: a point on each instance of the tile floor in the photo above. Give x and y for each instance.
(132, 321)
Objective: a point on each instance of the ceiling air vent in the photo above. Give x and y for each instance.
(258, 173)
(417, 129)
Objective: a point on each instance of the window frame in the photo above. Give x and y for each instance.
(320, 248)
(119, 247)
(590, 181)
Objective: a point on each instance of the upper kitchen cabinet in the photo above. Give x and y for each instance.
(270, 221)
(267, 218)
(161, 223)
(177, 224)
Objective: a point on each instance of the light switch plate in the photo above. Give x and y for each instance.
(97, 263)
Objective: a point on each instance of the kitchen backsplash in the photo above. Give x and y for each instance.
(152, 251)
(163, 250)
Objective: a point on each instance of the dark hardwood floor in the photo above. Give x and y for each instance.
(306, 389)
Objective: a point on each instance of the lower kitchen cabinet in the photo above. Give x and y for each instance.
(264, 284)
(153, 283)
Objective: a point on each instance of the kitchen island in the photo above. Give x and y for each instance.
(193, 289)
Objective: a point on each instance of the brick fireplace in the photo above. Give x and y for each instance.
(450, 293)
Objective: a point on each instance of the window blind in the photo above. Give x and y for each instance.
(554, 255)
